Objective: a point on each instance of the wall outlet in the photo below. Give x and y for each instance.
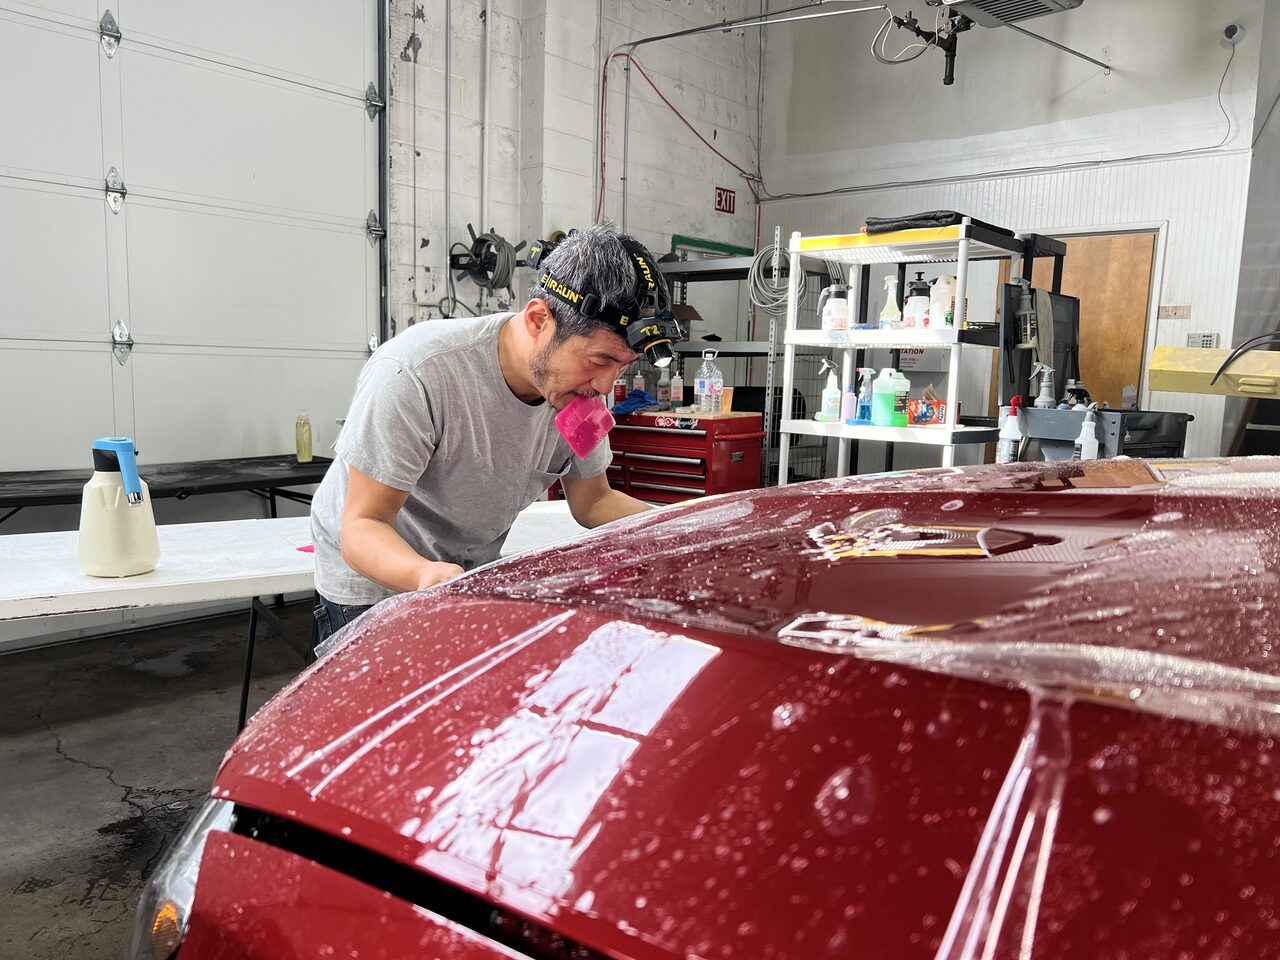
(1203, 341)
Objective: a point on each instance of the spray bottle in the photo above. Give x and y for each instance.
(890, 315)
(915, 312)
(865, 374)
(830, 394)
(833, 307)
(1010, 434)
(1087, 442)
(1045, 400)
(849, 403)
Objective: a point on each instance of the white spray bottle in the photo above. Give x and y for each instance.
(1010, 434)
(890, 315)
(1045, 400)
(1087, 442)
(830, 394)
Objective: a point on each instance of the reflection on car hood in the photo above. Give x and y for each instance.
(653, 736)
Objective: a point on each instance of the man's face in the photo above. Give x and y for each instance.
(580, 365)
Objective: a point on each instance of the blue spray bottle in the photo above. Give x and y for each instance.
(865, 376)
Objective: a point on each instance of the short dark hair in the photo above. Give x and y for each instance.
(592, 260)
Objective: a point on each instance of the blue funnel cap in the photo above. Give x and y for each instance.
(126, 459)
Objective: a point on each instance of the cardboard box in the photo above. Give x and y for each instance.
(923, 413)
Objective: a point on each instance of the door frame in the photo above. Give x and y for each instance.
(1161, 229)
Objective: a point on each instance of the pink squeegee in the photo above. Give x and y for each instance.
(584, 423)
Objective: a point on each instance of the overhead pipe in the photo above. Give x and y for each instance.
(1106, 68)
(724, 26)
(448, 150)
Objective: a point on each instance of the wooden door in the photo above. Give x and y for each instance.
(1111, 276)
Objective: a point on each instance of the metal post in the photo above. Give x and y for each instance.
(626, 135)
(846, 378)
(789, 360)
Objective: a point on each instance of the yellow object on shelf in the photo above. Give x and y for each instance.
(1189, 370)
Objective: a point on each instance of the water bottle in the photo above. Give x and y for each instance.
(708, 385)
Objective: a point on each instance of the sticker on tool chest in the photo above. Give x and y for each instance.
(680, 423)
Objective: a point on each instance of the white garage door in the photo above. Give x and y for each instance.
(238, 262)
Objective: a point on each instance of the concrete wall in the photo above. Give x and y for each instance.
(543, 93)
(1036, 140)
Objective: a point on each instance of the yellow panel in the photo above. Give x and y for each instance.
(922, 235)
(1189, 370)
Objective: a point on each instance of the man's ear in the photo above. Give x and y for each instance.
(537, 317)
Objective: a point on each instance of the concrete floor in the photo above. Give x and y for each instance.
(106, 748)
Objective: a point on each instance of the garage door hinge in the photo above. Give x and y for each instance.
(109, 30)
(116, 191)
(121, 342)
(373, 104)
(373, 227)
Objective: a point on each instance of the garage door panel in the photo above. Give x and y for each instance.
(56, 135)
(218, 279)
(284, 38)
(53, 263)
(57, 400)
(212, 134)
(83, 13)
(252, 397)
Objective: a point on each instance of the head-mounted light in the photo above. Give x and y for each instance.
(645, 322)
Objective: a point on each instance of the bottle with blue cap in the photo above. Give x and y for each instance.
(117, 526)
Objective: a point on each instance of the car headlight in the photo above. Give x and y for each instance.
(165, 907)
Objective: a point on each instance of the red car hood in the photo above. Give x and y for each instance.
(797, 722)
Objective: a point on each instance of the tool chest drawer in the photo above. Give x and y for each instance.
(668, 457)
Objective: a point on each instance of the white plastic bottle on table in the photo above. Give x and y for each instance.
(708, 385)
(664, 389)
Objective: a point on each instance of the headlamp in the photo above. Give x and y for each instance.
(164, 909)
(645, 321)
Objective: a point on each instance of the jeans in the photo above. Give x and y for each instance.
(332, 617)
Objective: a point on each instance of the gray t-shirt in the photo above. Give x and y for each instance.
(433, 415)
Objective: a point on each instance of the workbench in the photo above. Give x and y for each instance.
(206, 563)
(267, 477)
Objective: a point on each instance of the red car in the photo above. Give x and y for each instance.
(963, 713)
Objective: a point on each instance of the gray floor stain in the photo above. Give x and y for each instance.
(108, 747)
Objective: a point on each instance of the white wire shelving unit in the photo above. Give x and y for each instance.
(960, 244)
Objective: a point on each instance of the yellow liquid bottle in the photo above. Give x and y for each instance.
(302, 437)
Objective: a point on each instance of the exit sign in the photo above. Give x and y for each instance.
(725, 200)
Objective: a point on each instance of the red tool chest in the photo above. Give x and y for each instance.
(666, 457)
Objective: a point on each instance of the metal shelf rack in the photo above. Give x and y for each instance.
(679, 275)
(962, 244)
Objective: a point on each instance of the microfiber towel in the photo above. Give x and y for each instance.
(635, 401)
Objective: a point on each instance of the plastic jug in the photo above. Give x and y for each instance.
(901, 393)
(942, 298)
(117, 526)
(882, 395)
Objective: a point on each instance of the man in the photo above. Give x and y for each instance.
(451, 432)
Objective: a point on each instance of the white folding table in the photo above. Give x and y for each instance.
(205, 563)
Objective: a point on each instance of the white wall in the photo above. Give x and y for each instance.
(901, 142)
(1258, 304)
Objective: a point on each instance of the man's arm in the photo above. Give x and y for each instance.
(593, 502)
(372, 547)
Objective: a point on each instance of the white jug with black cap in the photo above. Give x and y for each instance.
(117, 526)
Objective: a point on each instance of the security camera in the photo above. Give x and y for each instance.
(1232, 33)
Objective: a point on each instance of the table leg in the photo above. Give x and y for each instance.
(271, 491)
(248, 664)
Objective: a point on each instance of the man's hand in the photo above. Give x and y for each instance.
(435, 571)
